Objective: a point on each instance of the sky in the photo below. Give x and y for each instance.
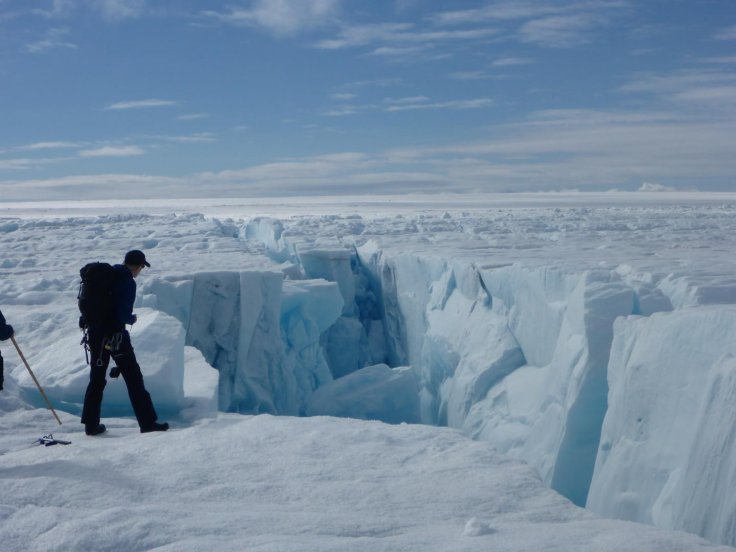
(190, 98)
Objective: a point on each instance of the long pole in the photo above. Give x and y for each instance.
(48, 402)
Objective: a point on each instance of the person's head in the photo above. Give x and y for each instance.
(136, 261)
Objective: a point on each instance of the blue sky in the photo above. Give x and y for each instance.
(144, 98)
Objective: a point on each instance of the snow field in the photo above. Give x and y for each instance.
(515, 326)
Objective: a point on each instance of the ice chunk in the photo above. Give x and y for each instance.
(660, 425)
(703, 501)
(200, 386)
(372, 393)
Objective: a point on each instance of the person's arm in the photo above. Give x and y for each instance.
(125, 297)
(6, 330)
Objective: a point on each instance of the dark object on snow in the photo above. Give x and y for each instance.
(136, 258)
(48, 440)
(6, 331)
(96, 296)
(95, 430)
(155, 427)
(106, 337)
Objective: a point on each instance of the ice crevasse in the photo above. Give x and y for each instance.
(617, 388)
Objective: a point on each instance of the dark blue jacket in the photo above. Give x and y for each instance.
(6, 330)
(124, 295)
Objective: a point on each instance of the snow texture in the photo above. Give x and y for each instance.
(593, 341)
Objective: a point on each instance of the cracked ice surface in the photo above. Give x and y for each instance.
(532, 327)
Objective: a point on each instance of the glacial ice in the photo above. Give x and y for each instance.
(613, 379)
(665, 454)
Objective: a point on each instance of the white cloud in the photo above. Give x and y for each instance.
(15, 164)
(112, 151)
(511, 61)
(654, 187)
(548, 23)
(511, 10)
(592, 149)
(193, 116)
(550, 150)
(47, 145)
(729, 33)
(342, 96)
(453, 104)
(413, 103)
(53, 40)
(282, 17)
(393, 34)
(200, 137)
(497, 11)
(470, 75)
(114, 10)
(140, 104)
(110, 10)
(713, 89)
(558, 31)
(30, 162)
(725, 60)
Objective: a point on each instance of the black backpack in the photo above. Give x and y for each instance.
(95, 298)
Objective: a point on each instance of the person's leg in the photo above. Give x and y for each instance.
(99, 359)
(2, 374)
(140, 399)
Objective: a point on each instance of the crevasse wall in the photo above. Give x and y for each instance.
(262, 334)
(589, 376)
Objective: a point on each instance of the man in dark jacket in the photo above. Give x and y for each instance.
(115, 342)
(6, 332)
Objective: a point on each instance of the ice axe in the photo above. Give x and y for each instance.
(43, 394)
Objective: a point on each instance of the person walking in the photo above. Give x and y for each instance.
(6, 332)
(114, 341)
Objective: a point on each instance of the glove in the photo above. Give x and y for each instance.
(114, 372)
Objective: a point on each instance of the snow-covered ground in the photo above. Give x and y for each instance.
(505, 318)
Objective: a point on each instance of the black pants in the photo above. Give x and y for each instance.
(2, 375)
(124, 357)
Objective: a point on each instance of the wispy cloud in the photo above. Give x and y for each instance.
(47, 146)
(591, 149)
(422, 103)
(711, 87)
(413, 103)
(470, 75)
(282, 17)
(193, 116)
(54, 39)
(398, 34)
(27, 163)
(549, 150)
(511, 61)
(729, 33)
(558, 24)
(112, 151)
(342, 96)
(16, 164)
(199, 137)
(141, 104)
(511, 10)
(720, 60)
(110, 10)
(559, 31)
(406, 54)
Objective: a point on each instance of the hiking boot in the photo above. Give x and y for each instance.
(94, 430)
(155, 426)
